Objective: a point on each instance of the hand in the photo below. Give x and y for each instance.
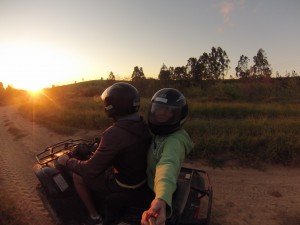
(158, 210)
(62, 160)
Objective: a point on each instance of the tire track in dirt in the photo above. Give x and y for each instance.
(21, 140)
(16, 173)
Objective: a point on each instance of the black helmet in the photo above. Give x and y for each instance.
(121, 99)
(167, 112)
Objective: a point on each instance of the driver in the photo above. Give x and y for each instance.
(171, 143)
(119, 163)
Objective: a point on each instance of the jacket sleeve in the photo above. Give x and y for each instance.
(100, 161)
(167, 170)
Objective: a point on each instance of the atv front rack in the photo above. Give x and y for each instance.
(52, 152)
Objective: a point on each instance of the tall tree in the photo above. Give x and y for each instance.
(164, 73)
(204, 66)
(261, 67)
(193, 69)
(171, 70)
(242, 70)
(111, 76)
(219, 63)
(138, 74)
(180, 73)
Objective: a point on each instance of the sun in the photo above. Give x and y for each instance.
(33, 67)
(32, 85)
(35, 93)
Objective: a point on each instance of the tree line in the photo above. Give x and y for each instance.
(9, 93)
(209, 66)
(212, 66)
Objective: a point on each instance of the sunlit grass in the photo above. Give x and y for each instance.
(247, 140)
(243, 109)
(248, 132)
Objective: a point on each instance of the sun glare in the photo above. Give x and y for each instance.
(35, 93)
(33, 67)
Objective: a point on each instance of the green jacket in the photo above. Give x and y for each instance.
(165, 158)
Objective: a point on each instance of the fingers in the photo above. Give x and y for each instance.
(149, 218)
(144, 220)
(152, 221)
(157, 211)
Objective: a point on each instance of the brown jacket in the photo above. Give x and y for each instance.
(124, 147)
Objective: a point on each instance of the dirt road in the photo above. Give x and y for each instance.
(20, 141)
(241, 196)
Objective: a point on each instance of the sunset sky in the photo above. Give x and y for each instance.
(57, 42)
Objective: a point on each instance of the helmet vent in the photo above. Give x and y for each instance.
(159, 99)
(109, 107)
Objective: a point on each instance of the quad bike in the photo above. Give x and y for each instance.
(192, 200)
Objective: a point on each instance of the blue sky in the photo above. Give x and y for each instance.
(63, 41)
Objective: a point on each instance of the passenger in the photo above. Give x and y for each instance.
(171, 143)
(119, 163)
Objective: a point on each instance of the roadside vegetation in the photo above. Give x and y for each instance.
(251, 120)
(249, 123)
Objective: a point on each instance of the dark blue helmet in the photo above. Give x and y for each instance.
(168, 111)
(121, 99)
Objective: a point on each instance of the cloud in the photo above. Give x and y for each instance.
(227, 8)
(220, 30)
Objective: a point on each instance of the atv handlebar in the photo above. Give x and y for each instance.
(68, 147)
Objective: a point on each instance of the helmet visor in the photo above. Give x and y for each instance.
(162, 114)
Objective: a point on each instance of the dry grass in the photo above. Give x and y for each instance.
(225, 126)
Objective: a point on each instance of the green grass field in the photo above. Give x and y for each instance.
(246, 123)
(249, 124)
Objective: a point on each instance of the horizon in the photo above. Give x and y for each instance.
(51, 43)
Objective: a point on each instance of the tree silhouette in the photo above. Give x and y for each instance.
(193, 69)
(204, 66)
(138, 74)
(242, 70)
(164, 73)
(261, 67)
(180, 73)
(219, 63)
(111, 76)
(212, 66)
